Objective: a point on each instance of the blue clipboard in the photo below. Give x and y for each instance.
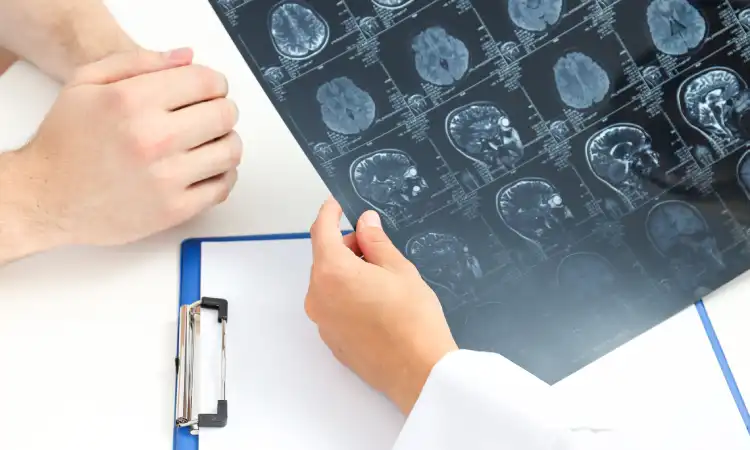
(190, 281)
(189, 294)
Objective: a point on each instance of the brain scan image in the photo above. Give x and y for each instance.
(744, 18)
(652, 75)
(676, 26)
(559, 130)
(444, 260)
(230, 4)
(535, 15)
(417, 103)
(483, 132)
(297, 31)
(581, 81)
(743, 173)
(587, 274)
(369, 26)
(678, 231)
(714, 102)
(345, 108)
(440, 58)
(511, 50)
(274, 76)
(704, 155)
(535, 210)
(621, 156)
(389, 181)
(392, 4)
(323, 151)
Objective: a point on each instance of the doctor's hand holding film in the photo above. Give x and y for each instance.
(372, 307)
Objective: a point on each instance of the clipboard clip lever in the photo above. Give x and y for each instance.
(190, 327)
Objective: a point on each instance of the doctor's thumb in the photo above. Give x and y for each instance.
(375, 244)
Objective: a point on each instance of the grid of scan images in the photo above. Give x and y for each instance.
(566, 174)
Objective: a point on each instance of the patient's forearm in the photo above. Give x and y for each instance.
(59, 35)
(24, 229)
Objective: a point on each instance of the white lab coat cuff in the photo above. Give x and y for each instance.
(475, 400)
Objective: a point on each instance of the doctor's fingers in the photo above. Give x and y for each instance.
(209, 160)
(330, 249)
(177, 87)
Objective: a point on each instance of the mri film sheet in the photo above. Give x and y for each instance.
(565, 174)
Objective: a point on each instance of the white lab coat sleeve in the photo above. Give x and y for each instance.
(477, 401)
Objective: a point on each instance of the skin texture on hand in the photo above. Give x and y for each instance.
(137, 143)
(60, 36)
(373, 309)
(7, 59)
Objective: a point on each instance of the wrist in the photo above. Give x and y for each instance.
(408, 387)
(25, 228)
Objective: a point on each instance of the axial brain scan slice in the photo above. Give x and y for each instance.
(676, 26)
(679, 231)
(345, 108)
(587, 274)
(714, 102)
(297, 31)
(440, 58)
(388, 180)
(621, 156)
(444, 260)
(581, 81)
(534, 209)
(535, 15)
(483, 132)
(392, 4)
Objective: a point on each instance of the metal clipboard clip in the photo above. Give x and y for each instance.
(190, 328)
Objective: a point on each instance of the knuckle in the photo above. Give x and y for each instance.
(212, 82)
(234, 153)
(141, 144)
(227, 113)
(119, 98)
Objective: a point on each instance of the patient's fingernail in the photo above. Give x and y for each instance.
(371, 219)
(179, 54)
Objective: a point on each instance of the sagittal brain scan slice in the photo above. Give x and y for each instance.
(744, 18)
(534, 209)
(652, 75)
(678, 231)
(511, 50)
(559, 130)
(581, 81)
(714, 102)
(274, 76)
(483, 132)
(621, 156)
(440, 58)
(345, 107)
(586, 274)
(743, 173)
(417, 103)
(676, 26)
(392, 4)
(535, 15)
(369, 26)
(444, 260)
(297, 31)
(389, 181)
(230, 4)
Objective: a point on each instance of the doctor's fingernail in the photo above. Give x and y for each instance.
(371, 219)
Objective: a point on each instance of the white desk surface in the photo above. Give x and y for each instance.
(87, 336)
